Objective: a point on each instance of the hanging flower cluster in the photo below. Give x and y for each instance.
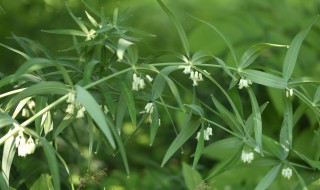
(72, 106)
(289, 92)
(286, 172)
(24, 146)
(25, 111)
(247, 156)
(206, 134)
(244, 83)
(137, 83)
(195, 76)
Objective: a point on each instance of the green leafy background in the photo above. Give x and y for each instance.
(243, 22)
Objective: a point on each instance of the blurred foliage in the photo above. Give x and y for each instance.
(244, 22)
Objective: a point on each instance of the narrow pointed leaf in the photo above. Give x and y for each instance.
(88, 71)
(52, 162)
(293, 51)
(256, 117)
(94, 110)
(66, 32)
(177, 24)
(269, 178)
(226, 165)
(154, 126)
(264, 78)
(227, 116)
(191, 177)
(120, 145)
(16, 51)
(9, 151)
(199, 148)
(182, 137)
(253, 52)
(129, 100)
(43, 88)
(225, 39)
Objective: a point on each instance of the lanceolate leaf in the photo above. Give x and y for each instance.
(191, 177)
(199, 149)
(177, 24)
(182, 137)
(226, 40)
(253, 52)
(293, 51)
(3, 184)
(88, 71)
(264, 78)
(43, 88)
(269, 178)
(229, 163)
(94, 110)
(130, 101)
(52, 162)
(6, 120)
(66, 32)
(257, 123)
(154, 123)
(7, 158)
(286, 128)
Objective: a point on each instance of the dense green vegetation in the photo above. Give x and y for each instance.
(87, 81)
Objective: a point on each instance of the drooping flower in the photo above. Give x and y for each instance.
(244, 83)
(24, 146)
(150, 79)
(187, 69)
(247, 156)
(71, 98)
(80, 113)
(289, 92)
(25, 112)
(206, 134)
(149, 108)
(286, 172)
(195, 76)
(105, 109)
(137, 82)
(30, 146)
(70, 109)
